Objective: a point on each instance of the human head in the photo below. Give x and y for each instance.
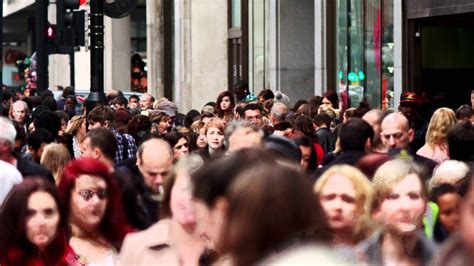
(37, 140)
(243, 134)
(160, 123)
(253, 112)
(177, 195)
(265, 98)
(100, 144)
(197, 136)
(64, 118)
(330, 98)
(278, 113)
(89, 190)
(322, 120)
(409, 105)
(396, 131)
(133, 102)
(460, 140)
(308, 154)
(464, 112)
(154, 159)
(399, 196)
(467, 217)
(54, 158)
(447, 198)
(44, 118)
(178, 142)
(356, 135)
(441, 121)
(241, 90)
(374, 117)
(224, 103)
(146, 101)
(20, 111)
(33, 218)
(7, 136)
(449, 172)
(119, 103)
(345, 194)
(101, 116)
(285, 212)
(214, 131)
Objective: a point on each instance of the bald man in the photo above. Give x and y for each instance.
(20, 112)
(396, 131)
(154, 161)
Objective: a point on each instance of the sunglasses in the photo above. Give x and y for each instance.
(87, 194)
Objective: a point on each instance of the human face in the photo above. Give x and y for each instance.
(403, 208)
(472, 100)
(254, 116)
(180, 148)
(325, 101)
(338, 199)
(42, 219)
(240, 93)
(164, 125)
(449, 211)
(94, 125)
(69, 104)
(215, 138)
(395, 135)
(201, 141)
(133, 103)
(467, 218)
(244, 137)
(154, 171)
(87, 150)
(145, 102)
(209, 221)
(88, 202)
(19, 113)
(225, 103)
(305, 155)
(180, 203)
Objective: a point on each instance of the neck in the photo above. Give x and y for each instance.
(8, 157)
(395, 246)
(187, 241)
(84, 234)
(344, 237)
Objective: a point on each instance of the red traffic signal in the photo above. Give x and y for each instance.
(51, 32)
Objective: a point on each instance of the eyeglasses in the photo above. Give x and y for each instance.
(87, 194)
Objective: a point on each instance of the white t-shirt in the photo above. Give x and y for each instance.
(9, 176)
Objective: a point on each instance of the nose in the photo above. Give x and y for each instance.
(392, 142)
(158, 179)
(39, 220)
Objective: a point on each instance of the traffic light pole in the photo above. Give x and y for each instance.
(41, 51)
(96, 95)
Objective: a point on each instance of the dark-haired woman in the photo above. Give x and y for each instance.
(225, 106)
(33, 227)
(179, 143)
(97, 220)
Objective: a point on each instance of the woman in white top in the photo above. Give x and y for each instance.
(97, 221)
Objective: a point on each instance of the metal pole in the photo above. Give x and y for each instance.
(96, 96)
(41, 51)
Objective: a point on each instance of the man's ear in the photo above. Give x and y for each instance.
(411, 134)
(106, 124)
(97, 153)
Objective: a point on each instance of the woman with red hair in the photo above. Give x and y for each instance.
(33, 226)
(97, 221)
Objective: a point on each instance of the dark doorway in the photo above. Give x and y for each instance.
(441, 58)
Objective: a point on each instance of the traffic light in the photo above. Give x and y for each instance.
(70, 26)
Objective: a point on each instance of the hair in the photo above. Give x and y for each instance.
(333, 98)
(239, 108)
(193, 134)
(464, 112)
(55, 156)
(48, 120)
(7, 131)
(325, 109)
(62, 115)
(306, 141)
(287, 213)
(173, 138)
(38, 137)
(354, 133)
(254, 107)
(266, 94)
(441, 121)
(362, 109)
(104, 140)
(322, 119)
(191, 116)
(113, 226)
(450, 171)
(139, 127)
(441, 190)
(460, 140)
(189, 163)
(74, 124)
(218, 123)
(304, 124)
(241, 84)
(157, 117)
(134, 96)
(362, 185)
(119, 100)
(279, 111)
(15, 248)
(390, 174)
(101, 114)
(234, 125)
(68, 91)
(50, 102)
(220, 113)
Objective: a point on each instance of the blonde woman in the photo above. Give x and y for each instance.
(436, 147)
(74, 134)
(345, 194)
(55, 156)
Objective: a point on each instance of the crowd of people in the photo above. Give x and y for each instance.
(245, 180)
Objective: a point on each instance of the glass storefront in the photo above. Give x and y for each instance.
(364, 52)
